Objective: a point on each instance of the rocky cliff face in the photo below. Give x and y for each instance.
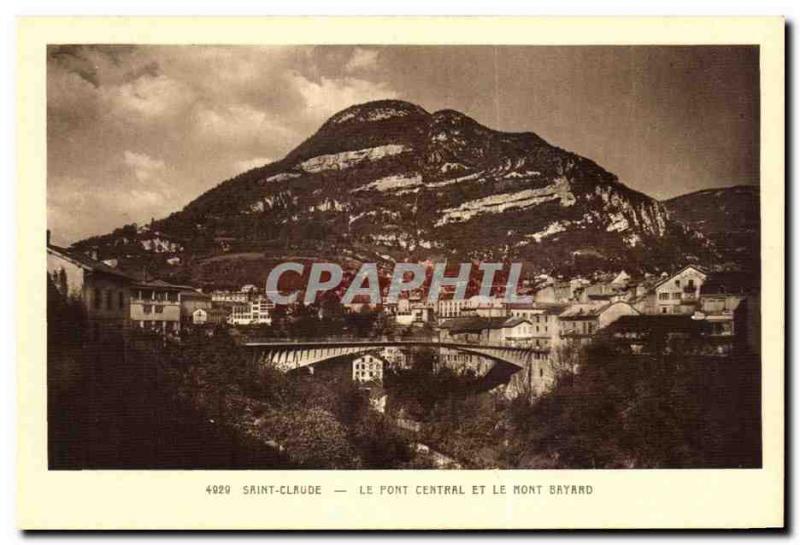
(390, 181)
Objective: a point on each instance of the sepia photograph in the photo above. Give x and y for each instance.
(400, 273)
(403, 257)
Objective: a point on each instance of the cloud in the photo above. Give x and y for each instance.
(362, 59)
(329, 96)
(192, 112)
(147, 98)
(239, 125)
(144, 167)
(71, 197)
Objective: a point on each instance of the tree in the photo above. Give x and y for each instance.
(312, 437)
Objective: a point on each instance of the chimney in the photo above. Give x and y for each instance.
(48, 237)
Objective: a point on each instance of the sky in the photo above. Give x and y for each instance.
(137, 132)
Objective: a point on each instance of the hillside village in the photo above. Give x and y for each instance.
(715, 311)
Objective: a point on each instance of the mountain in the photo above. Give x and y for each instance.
(729, 217)
(389, 181)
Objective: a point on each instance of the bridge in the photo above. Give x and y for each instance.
(290, 354)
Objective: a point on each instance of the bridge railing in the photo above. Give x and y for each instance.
(350, 341)
(338, 339)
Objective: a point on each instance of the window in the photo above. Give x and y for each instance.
(677, 283)
(159, 309)
(676, 295)
(663, 296)
(691, 283)
(147, 309)
(663, 310)
(96, 298)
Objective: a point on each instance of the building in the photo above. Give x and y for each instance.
(395, 357)
(254, 312)
(719, 310)
(556, 292)
(368, 368)
(470, 329)
(581, 321)
(622, 280)
(225, 296)
(261, 310)
(517, 332)
(660, 333)
(210, 316)
(103, 290)
(192, 300)
(156, 306)
(729, 302)
(544, 321)
(413, 313)
(600, 291)
(680, 292)
(450, 308)
(485, 307)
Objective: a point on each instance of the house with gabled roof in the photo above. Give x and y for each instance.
(679, 293)
(104, 290)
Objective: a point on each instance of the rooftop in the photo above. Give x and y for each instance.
(87, 263)
(161, 284)
(476, 324)
(649, 323)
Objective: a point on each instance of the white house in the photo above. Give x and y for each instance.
(252, 312)
(450, 308)
(680, 292)
(517, 331)
(156, 306)
(368, 368)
